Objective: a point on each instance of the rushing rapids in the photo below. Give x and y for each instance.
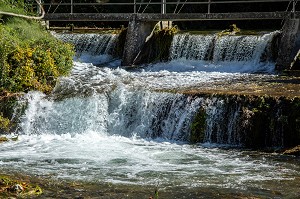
(109, 125)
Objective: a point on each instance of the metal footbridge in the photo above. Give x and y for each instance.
(169, 10)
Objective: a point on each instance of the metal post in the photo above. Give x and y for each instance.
(294, 6)
(208, 6)
(294, 9)
(164, 7)
(134, 6)
(39, 9)
(71, 6)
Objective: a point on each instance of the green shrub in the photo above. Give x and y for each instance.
(31, 58)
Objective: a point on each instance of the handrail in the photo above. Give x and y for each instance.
(26, 16)
(164, 3)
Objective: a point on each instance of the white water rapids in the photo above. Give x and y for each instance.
(108, 125)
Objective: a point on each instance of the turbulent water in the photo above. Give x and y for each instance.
(109, 125)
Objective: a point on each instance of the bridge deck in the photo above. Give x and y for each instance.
(168, 16)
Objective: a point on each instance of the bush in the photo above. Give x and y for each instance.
(31, 58)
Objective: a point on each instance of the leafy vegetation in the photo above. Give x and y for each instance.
(30, 58)
(13, 187)
(198, 127)
(15, 6)
(233, 29)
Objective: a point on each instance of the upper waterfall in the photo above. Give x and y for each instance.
(252, 53)
(94, 44)
(190, 52)
(94, 48)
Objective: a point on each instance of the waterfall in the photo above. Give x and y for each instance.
(241, 48)
(161, 126)
(121, 112)
(129, 112)
(92, 48)
(228, 51)
(133, 137)
(118, 102)
(93, 44)
(191, 46)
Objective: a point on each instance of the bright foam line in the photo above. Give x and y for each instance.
(183, 65)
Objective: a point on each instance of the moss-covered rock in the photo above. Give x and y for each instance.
(198, 127)
(255, 122)
(3, 139)
(273, 122)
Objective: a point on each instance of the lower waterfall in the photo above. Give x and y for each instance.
(133, 112)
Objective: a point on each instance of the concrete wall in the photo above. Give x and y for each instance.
(289, 44)
(136, 36)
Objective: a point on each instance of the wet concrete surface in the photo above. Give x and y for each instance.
(257, 85)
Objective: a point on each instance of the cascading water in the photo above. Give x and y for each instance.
(94, 44)
(105, 124)
(95, 48)
(245, 53)
(188, 46)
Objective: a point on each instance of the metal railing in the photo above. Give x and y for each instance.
(70, 6)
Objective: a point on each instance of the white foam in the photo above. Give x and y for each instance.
(97, 156)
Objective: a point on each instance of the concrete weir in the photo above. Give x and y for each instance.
(136, 36)
(139, 30)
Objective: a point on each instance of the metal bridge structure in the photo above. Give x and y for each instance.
(169, 10)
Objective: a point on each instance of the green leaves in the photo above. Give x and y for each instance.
(31, 61)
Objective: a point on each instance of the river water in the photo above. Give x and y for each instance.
(108, 125)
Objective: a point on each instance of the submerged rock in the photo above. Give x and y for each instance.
(17, 188)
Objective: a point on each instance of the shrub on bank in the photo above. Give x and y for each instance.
(30, 58)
